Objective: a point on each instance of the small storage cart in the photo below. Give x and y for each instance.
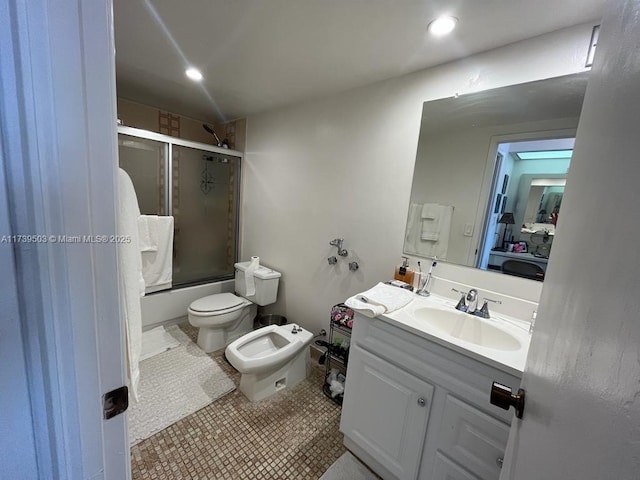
(336, 357)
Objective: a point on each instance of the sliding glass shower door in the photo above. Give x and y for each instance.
(145, 161)
(204, 200)
(197, 184)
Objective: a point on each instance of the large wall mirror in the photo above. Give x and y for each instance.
(490, 173)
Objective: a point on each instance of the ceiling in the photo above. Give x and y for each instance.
(257, 55)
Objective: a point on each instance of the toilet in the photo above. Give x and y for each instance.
(223, 317)
(270, 359)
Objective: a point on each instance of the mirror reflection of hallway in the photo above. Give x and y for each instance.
(530, 177)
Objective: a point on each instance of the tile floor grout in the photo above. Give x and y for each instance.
(292, 435)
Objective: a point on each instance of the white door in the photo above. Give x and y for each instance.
(63, 343)
(17, 441)
(582, 378)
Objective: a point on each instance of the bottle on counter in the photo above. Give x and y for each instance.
(404, 273)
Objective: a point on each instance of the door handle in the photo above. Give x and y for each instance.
(502, 396)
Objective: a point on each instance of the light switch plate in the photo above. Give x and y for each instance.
(468, 229)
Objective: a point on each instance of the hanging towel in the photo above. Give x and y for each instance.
(416, 245)
(157, 266)
(432, 219)
(131, 280)
(414, 224)
(148, 233)
(380, 299)
(430, 211)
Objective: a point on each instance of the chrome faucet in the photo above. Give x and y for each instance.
(484, 311)
(472, 301)
(462, 304)
(469, 303)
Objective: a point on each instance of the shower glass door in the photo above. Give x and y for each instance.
(200, 187)
(205, 208)
(145, 161)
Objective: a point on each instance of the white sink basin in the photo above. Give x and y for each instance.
(468, 328)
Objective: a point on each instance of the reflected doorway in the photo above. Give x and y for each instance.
(525, 201)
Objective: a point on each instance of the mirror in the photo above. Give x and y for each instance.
(468, 171)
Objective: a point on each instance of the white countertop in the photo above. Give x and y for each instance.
(510, 361)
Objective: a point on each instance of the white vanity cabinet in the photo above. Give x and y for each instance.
(416, 409)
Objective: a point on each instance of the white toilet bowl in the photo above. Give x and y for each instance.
(221, 318)
(270, 359)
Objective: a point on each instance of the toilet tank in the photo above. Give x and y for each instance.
(266, 281)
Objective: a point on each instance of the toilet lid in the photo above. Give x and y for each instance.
(219, 301)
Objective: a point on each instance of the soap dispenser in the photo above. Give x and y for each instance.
(404, 272)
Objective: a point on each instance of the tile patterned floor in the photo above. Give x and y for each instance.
(292, 435)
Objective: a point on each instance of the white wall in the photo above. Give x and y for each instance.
(342, 166)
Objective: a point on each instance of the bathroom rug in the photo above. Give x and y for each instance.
(156, 341)
(348, 466)
(173, 385)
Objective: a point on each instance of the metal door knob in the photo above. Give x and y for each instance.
(499, 462)
(502, 397)
(421, 402)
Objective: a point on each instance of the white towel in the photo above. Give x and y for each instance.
(415, 245)
(157, 266)
(414, 224)
(430, 211)
(432, 219)
(131, 280)
(148, 233)
(381, 298)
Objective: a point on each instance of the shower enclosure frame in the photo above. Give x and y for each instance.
(170, 141)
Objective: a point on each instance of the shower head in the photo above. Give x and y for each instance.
(212, 132)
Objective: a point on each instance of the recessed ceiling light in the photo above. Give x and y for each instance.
(442, 25)
(194, 74)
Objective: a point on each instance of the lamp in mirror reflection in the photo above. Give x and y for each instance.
(507, 219)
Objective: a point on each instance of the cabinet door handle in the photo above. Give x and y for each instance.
(421, 402)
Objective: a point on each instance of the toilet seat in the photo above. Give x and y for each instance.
(217, 304)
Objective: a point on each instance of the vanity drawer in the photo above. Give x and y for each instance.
(472, 439)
